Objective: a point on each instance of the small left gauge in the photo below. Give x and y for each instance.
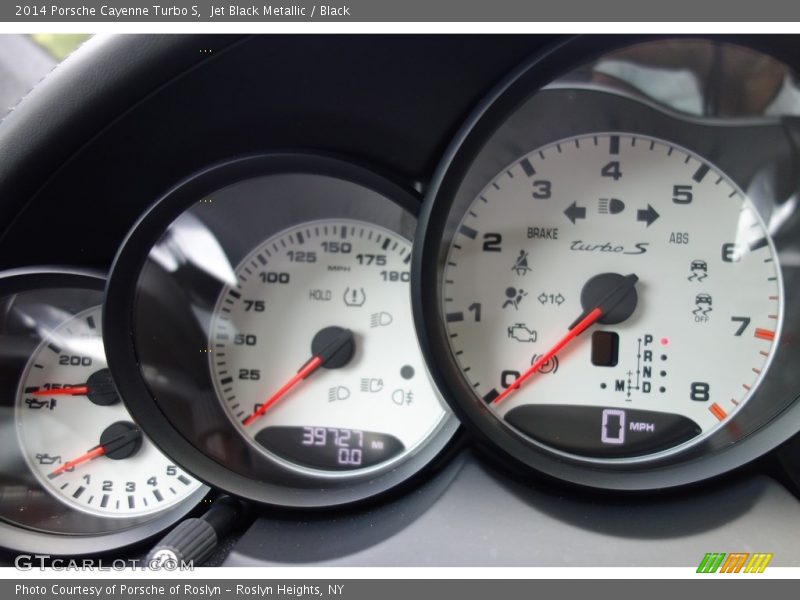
(79, 476)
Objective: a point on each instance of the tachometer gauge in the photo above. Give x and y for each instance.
(260, 318)
(78, 475)
(601, 287)
(618, 236)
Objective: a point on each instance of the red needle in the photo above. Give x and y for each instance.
(80, 390)
(582, 325)
(124, 445)
(336, 350)
(306, 370)
(71, 464)
(604, 306)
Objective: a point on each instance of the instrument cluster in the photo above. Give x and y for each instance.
(599, 281)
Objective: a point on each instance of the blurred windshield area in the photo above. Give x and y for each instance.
(26, 59)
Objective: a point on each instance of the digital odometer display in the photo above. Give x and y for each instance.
(330, 448)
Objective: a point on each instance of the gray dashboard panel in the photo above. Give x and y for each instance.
(469, 515)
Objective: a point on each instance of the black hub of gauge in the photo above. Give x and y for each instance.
(101, 388)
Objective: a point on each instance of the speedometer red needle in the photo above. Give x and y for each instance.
(78, 390)
(332, 351)
(306, 370)
(581, 324)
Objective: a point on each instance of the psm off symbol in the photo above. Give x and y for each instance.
(355, 297)
(401, 396)
(521, 264)
(380, 319)
(702, 308)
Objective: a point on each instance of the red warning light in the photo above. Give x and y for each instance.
(664, 341)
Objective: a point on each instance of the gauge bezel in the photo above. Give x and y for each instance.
(299, 490)
(18, 538)
(434, 234)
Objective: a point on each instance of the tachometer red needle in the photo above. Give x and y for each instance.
(582, 325)
(307, 369)
(332, 349)
(95, 452)
(79, 390)
(608, 302)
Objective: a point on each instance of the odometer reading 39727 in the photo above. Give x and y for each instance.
(612, 296)
(314, 354)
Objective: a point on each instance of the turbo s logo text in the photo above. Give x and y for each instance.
(581, 246)
(734, 562)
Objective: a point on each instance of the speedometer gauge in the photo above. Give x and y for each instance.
(259, 324)
(606, 285)
(323, 305)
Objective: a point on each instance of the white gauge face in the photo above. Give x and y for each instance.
(555, 233)
(77, 436)
(314, 354)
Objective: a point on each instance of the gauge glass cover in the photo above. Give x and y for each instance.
(77, 476)
(629, 186)
(259, 320)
